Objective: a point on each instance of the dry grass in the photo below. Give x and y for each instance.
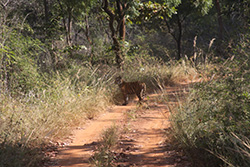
(67, 99)
(213, 123)
(104, 156)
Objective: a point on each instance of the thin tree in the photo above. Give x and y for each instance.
(117, 26)
(219, 18)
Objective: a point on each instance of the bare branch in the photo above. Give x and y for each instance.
(5, 4)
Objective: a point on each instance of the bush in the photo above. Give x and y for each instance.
(214, 111)
(31, 120)
(19, 69)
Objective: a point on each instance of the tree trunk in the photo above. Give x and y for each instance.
(89, 40)
(121, 27)
(46, 11)
(220, 23)
(179, 38)
(219, 48)
(117, 47)
(64, 23)
(47, 37)
(122, 30)
(87, 30)
(69, 26)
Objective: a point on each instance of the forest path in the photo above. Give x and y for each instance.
(142, 145)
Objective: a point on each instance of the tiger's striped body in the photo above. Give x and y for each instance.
(138, 88)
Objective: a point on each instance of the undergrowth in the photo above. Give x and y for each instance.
(155, 72)
(30, 118)
(104, 156)
(33, 119)
(213, 124)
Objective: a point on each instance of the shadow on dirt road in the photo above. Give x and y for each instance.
(143, 144)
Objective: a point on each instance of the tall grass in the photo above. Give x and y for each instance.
(213, 124)
(104, 157)
(153, 71)
(28, 120)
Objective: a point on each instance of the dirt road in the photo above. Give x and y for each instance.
(144, 144)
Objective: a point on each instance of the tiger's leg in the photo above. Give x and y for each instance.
(143, 91)
(125, 99)
(139, 96)
(142, 94)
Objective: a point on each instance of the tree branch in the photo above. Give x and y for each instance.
(5, 4)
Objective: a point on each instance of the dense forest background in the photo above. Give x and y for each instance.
(57, 56)
(45, 36)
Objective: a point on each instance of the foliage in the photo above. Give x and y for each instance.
(149, 9)
(214, 111)
(65, 99)
(19, 55)
(56, 67)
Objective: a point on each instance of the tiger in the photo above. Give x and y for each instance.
(138, 88)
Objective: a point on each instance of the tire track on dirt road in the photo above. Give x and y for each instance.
(80, 150)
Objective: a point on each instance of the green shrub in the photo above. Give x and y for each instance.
(215, 110)
(19, 58)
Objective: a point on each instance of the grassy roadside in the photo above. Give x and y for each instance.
(108, 150)
(213, 123)
(105, 156)
(28, 121)
(156, 77)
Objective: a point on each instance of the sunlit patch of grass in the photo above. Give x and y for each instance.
(157, 74)
(104, 156)
(35, 118)
(68, 98)
(131, 114)
(213, 122)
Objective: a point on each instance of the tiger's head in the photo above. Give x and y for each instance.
(118, 80)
